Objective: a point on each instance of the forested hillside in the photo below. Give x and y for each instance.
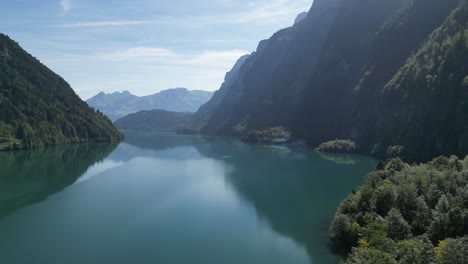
(154, 120)
(38, 108)
(424, 107)
(407, 214)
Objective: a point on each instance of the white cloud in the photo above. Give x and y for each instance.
(274, 12)
(144, 70)
(113, 23)
(271, 12)
(162, 56)
(215, 59)
(66, 5)
(137, 53)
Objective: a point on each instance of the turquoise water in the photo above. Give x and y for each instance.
(172, 199)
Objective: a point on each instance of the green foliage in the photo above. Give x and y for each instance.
(404, 211)
(396, 165)
(370, 256)
(38, 108)
(452, 251)
(338, 146)
(342, 232)
(423, 107)
(380, 166)
(415, 251)
(395, 151)
(268, 135)
(398, 227)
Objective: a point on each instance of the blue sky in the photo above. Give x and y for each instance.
(143, 46)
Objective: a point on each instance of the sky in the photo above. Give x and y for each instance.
(143, 46)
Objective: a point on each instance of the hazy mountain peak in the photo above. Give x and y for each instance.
(119, 104)
(179, 90)
(233, 72)
(300, 17)
(326, 3)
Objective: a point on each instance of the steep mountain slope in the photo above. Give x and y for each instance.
(38, 108)
(117, 105)
(299, 71)
(206, 111)
(424, 107)
(409, 27)
(324, 78)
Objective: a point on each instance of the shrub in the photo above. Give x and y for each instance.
(338, 146)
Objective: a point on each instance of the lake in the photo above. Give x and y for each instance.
(172, 200)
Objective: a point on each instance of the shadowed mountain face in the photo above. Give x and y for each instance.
(117, 105)
(347, 70)
(28, 177)
(294, 73)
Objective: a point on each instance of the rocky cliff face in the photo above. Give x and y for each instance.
(278, 83)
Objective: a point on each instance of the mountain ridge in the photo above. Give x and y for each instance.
(119, 104)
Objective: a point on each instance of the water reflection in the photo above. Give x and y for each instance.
(339, 159)
(28, 177)
(295, 192)
(171, 199)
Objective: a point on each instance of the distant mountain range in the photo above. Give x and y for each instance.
(117, 105)
(38, 108)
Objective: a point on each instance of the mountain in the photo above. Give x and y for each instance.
(117, 105)
(424, 106)
(38, 108)
(300, 17)
(293, 78)
(388, 74)
(175, 121)
(154, 120)
(332, 74)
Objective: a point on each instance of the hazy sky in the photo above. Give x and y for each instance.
(143, 46)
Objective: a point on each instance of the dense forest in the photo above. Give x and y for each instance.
(38, 108)
(407, 214)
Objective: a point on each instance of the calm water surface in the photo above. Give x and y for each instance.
(172, 199)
